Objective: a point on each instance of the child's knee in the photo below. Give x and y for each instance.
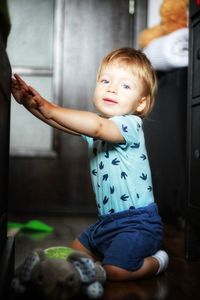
(148, 269)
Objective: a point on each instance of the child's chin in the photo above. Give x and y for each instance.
(106, 116)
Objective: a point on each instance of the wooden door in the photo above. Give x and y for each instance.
(5, 91)
(193, 145)
(87, 30)
(6, 244)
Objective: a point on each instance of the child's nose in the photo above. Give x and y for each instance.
(112, 88)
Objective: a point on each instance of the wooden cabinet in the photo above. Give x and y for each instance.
(6, 244)
(165, 131)
(193, 137)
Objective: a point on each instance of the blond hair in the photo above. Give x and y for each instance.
(139, 64)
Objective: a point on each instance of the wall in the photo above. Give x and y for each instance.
(153, 16)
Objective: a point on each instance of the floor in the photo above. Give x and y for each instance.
(181, 281)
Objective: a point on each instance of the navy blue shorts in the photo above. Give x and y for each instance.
(124, 239)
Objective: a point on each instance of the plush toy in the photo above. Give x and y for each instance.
(173, 16)
(51, 276)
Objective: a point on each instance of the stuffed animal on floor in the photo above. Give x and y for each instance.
(173, 16)
(59, 273)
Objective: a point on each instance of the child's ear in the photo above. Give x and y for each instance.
(142, 104)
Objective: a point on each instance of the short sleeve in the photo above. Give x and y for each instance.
(130, 127)
(88, 139)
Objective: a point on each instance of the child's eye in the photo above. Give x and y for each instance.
(126, 86)
(104, 81)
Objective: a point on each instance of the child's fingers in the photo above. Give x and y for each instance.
(36, 97)
(33, 91)
(25, 94)
(18, 78)
(24, 86)
(14, 82)
(21, 82)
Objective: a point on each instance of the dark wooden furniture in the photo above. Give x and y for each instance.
(193, 137)
(6, 244)
(165, 131)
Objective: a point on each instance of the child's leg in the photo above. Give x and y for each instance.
(76, 245)
(148, 269)
(152, 265)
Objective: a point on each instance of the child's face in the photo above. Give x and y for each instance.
(118, 91)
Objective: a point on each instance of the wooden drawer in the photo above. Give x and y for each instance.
(196, 60)
(195, 158)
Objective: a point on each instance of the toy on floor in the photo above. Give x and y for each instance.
(59, 273)
(38, 226)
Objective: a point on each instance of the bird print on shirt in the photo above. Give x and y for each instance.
(102, 172)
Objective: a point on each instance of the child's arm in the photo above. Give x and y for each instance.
(23, 94)
(83, 122)
(69, 120)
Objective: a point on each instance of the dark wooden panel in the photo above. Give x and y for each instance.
(196, 60)
(6, 245)
(165, 131)
(4, 123)
(194, 198)
(4, 137)
(7, 268)
(193, 138)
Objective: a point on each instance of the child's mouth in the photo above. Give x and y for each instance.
(110, 101)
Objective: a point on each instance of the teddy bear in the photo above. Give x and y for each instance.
(59, 279)
(173, 16)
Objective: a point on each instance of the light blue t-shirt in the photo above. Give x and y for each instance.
(120, 173)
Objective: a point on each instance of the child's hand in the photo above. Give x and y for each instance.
(20, 90)
(29, 97)
(39, 103)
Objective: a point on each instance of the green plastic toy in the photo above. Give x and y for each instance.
(32, 225)
(58, 252)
